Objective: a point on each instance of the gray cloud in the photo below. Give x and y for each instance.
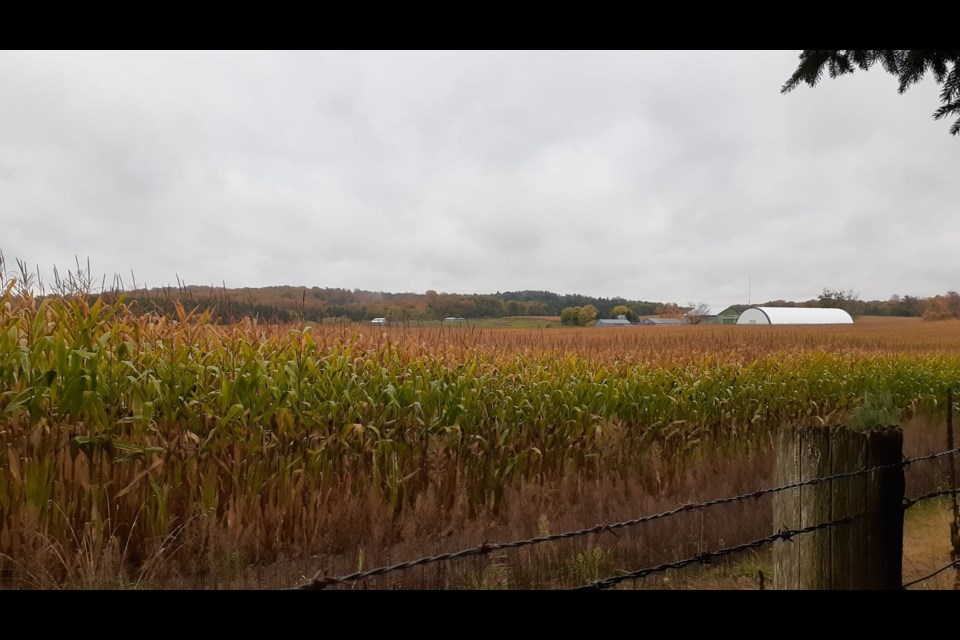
(666, 176)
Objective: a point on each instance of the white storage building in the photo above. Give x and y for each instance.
(793, 315)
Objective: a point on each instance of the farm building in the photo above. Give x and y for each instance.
(730, 314)
(615, 322)
(662, 322)
(794, 315)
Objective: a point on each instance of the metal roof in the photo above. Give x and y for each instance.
(794, 315)
(615, 322)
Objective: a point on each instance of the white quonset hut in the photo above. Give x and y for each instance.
(793, 315)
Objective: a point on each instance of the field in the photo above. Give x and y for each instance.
(152, 451)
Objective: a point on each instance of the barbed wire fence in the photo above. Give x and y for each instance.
(322, 581)
(955, 563)
(955, 506)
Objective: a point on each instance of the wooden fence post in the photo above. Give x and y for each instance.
(866, 554)
(952, 468)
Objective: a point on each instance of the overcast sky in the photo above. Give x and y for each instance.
(660, 176)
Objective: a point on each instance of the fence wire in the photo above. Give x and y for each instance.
(909, 502)
(707, 556)
(955, 563)
(321, 582)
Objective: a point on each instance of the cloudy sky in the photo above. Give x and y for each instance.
(660, 176)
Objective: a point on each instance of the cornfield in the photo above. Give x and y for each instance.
(155, 439)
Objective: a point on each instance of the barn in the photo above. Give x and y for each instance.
(662, 322)
(616, 322)
(794, 315)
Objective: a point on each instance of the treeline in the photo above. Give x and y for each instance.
(940, 307)
(848, 300)
(555, 303)
(326, 304)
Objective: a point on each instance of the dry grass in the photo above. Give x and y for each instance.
(926, 545)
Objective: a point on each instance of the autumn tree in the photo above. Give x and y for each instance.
(586, 315)
(936, 309)
(569, 315)
(625, 311)
(907, 306)
(952, 301)
(698, 312)
(910, 66)
(644, 308)
(434, 303)
(943, 307)
(846, 299)
(669, 309)
(579, 316)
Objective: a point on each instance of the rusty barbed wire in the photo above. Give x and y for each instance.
(707, 556)
(906, 462)
(321, 582)
(909, 502)
(955, 563)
